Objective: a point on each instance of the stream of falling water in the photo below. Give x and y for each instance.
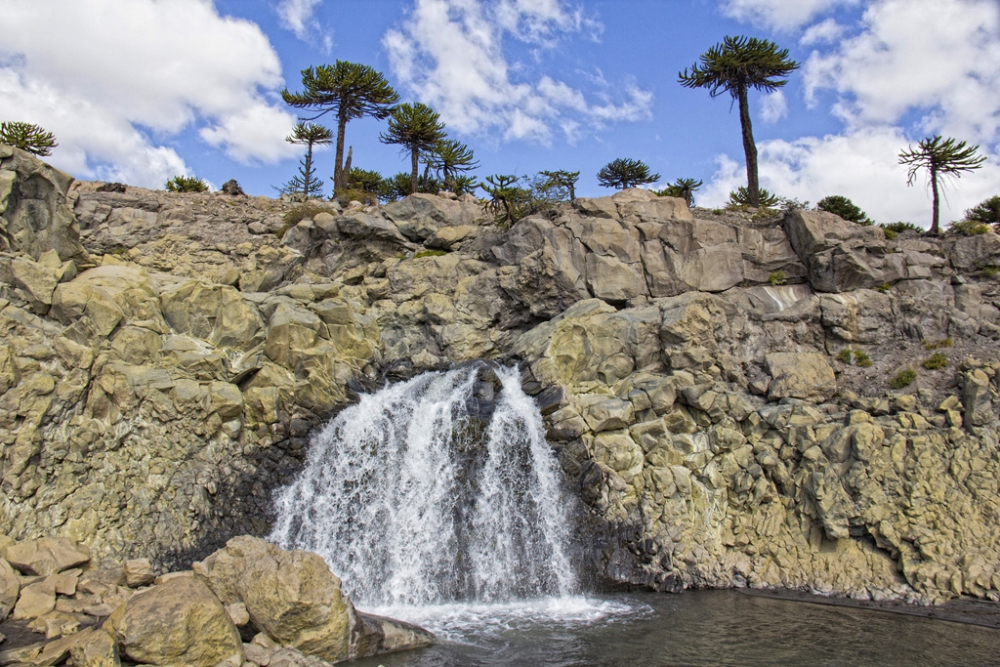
(432, 510)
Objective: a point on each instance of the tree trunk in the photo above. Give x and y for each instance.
(749, 147)
(307, 174)
(935, 229)
(415, 159)
(338, 168)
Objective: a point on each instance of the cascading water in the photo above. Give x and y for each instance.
(417, 496)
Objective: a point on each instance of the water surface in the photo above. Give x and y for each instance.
(695, 628)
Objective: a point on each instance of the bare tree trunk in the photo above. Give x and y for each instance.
(338, 169)
(415, 159)
(749, 147)
(935, 228)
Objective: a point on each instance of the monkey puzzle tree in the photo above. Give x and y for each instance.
(350, 91)
(309, 134)
(941, 158)
(683, 188)
(28, 137)
(736, 65)
(449, 157)
(562, 179)
(417, 128)
(624, 173)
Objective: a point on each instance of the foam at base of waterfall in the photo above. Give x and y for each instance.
(465, 622)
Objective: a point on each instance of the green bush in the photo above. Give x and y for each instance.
(904, 379)
(740, 198)
(884, 287)
(186, 184)
(862, 359)
(968, 227)
(845, 208)
(935, 362)
(347, 195)
(777, 278)
(934, 345)
(297, 214)
(844, 355)
(429, 253)
(990, 272)
(986, 212)
(900, 227)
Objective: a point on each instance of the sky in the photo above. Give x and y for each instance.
(139, 91)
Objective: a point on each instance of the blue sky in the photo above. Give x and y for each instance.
(141, 90)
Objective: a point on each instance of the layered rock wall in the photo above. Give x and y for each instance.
(717, 388)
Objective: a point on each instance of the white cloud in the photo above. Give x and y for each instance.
(297, 16)
(823, 32)
(938, 56)
(774, 107)
(782, 15)
(112, 78)
(860, 164)
(450, 53)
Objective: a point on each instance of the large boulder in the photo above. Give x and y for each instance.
(804, 375)
(290, 595)
(839, 255)
(10, 586)
(420, 215)
(179, 623)
(295, 600)
(45, 556)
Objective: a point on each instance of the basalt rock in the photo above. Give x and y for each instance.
(717, 387)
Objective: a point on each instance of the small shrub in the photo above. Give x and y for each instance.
(900, 227)
(740, 197)
(862, 359)
(844, 355)
(968, 227)
(884, 287)
(986, 212)
(935, 362)
(777, 278)
(989, 272)
(904, 379)
(845, 208)
(934, 345)
(429, 253)
(891, 235)
(718, 211)
(299, 213)
(186, 184)
(347, 195)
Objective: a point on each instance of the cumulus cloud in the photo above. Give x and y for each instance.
(782, 15)
(115, 79)
(900, 61)
(450, 54)
(297, 16)
(774, 107)
(821, 33)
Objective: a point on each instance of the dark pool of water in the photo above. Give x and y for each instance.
(703, 629)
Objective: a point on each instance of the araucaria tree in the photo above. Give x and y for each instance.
(683, 188)
(417, 128)
(941, 158)
(625, 173)
(28, 137)
(562, 179)
(450, 157)
(736, 65)
(350, 91)
(308, 134)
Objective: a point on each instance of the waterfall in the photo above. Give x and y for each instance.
(435, 491)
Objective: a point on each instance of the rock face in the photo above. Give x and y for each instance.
(717, 388)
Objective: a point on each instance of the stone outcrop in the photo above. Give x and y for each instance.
(717, 387)
(289, 601)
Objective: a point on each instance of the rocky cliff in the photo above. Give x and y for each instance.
(717, 388)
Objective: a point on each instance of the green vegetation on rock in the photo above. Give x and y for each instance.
(623, 173)
(903, 379)
(28, 137)
(935, 362)
(186, 184)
